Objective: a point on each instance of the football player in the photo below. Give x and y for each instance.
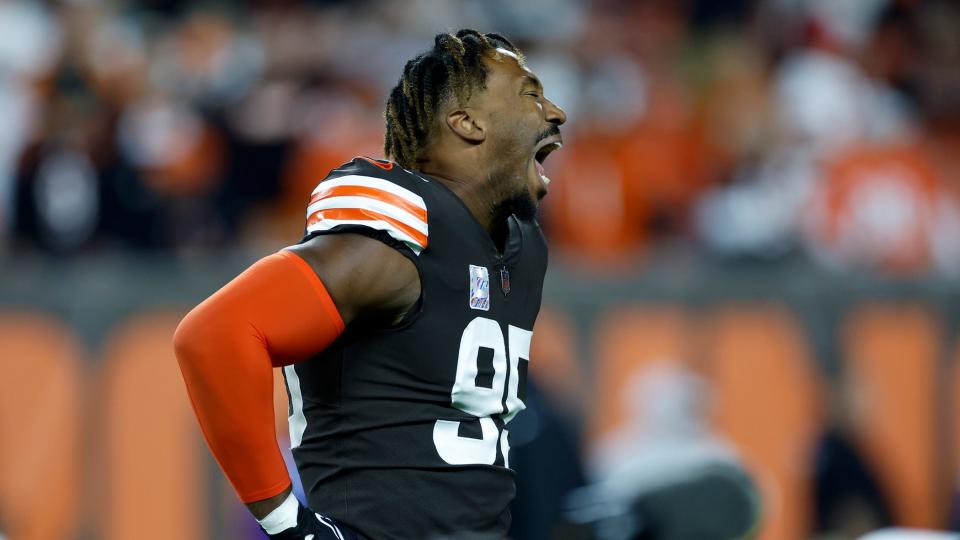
(402, 319)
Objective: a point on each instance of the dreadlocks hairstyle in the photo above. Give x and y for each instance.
(453, 69)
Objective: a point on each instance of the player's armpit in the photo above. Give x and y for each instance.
(366, 278)
(277, 312)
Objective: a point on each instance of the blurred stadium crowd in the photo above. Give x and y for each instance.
(744, 129)
(820, 133)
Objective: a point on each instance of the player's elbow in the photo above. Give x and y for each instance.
(191, 339)
(187, 339)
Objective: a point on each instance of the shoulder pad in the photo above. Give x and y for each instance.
(370, 193)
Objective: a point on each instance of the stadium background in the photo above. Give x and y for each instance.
(755, 228)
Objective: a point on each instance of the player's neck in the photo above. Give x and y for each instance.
(482, 202)
(475, 196)
(483, 190)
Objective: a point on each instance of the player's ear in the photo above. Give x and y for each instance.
(466, 125)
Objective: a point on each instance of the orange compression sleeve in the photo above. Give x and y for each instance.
(275, 313)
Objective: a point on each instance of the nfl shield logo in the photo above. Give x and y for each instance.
(479, 288)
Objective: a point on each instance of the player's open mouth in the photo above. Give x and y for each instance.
(544, 149)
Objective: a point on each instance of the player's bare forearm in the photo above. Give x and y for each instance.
(260, 509)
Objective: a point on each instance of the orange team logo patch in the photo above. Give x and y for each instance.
(385, 165)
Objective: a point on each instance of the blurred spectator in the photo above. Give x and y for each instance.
(822, 102)
(546, 455)
(665, 465)
(668, 426)
(884, 207)
(826, 130)
(847, 498)
(28, 50)
(168, 125)
(332, 126)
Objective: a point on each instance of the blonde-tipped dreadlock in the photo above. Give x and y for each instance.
(452, 69)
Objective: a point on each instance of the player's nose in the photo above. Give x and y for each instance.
(554, 114)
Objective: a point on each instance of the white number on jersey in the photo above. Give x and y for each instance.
(481, 401)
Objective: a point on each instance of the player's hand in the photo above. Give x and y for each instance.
(310, 526)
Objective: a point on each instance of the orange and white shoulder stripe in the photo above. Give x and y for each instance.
(370, 202)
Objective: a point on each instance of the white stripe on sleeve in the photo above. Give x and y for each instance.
(389, 228)
(297, 420)
(371, 182)
(369, 203)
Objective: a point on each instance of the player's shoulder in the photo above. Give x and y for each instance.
(362, 167)
(373, 194)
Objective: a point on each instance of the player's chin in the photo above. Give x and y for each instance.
(537, 183)
(538, 191)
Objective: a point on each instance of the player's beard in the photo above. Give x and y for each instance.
(519, 199)
(524, 204)
(521, 205)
